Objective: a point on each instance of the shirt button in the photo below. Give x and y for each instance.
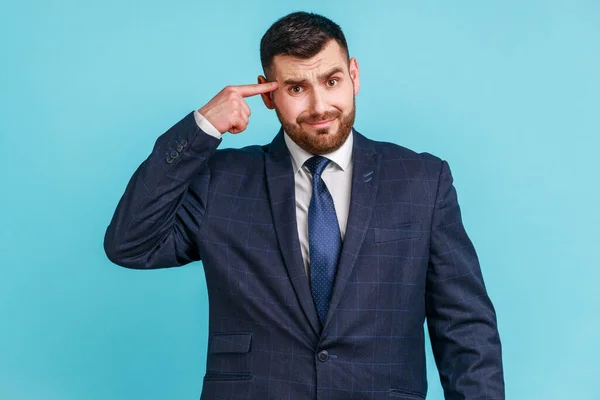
(323, 355)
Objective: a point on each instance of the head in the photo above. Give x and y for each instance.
(308, 56)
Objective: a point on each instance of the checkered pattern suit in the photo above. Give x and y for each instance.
(406, 259)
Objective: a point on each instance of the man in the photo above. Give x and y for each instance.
(324, 251)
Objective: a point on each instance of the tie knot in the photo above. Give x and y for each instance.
(316, 164)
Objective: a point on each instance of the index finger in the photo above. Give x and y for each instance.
(256, 88)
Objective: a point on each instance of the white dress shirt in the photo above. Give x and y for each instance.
(337, 176)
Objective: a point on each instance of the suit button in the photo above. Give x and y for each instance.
(174, 154)
(184, 143)
(179, 147)
(169, 160)
(323, 355)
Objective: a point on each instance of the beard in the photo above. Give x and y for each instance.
(324, 140)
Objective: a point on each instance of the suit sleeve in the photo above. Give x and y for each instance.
(157, 219)
(460, 316)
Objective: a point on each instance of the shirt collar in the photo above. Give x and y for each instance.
(341, 157)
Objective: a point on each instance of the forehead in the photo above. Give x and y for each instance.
(330, 57)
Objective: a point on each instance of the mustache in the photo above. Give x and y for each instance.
(316, 118)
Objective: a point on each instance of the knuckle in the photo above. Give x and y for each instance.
(229, 92)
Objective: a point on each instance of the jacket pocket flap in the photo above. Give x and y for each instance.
(238, 342)
(402, 231)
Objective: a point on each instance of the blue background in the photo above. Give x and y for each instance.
(507, 91)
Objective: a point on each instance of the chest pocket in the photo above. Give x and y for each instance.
(410, 230)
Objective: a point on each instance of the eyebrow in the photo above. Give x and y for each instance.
(321, 77)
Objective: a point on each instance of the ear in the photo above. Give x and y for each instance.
(355, 74)
(266, 97)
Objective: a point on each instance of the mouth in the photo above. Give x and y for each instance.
(321, 124)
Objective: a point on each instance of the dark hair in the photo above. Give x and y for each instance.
(301, 35)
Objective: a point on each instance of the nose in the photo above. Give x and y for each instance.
(317, 103)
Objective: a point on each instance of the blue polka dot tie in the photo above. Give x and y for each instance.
(324, 239)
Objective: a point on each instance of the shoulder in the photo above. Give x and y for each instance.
(396, 157)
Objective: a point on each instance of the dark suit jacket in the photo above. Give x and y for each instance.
(406, 258)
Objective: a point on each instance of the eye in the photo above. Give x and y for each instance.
(295, 89)
(332, 82)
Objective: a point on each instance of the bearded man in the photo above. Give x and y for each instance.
(324, 251)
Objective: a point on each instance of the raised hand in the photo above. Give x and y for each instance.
(228, 111)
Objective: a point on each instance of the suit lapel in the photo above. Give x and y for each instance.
(280, 182)
(365, 180)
